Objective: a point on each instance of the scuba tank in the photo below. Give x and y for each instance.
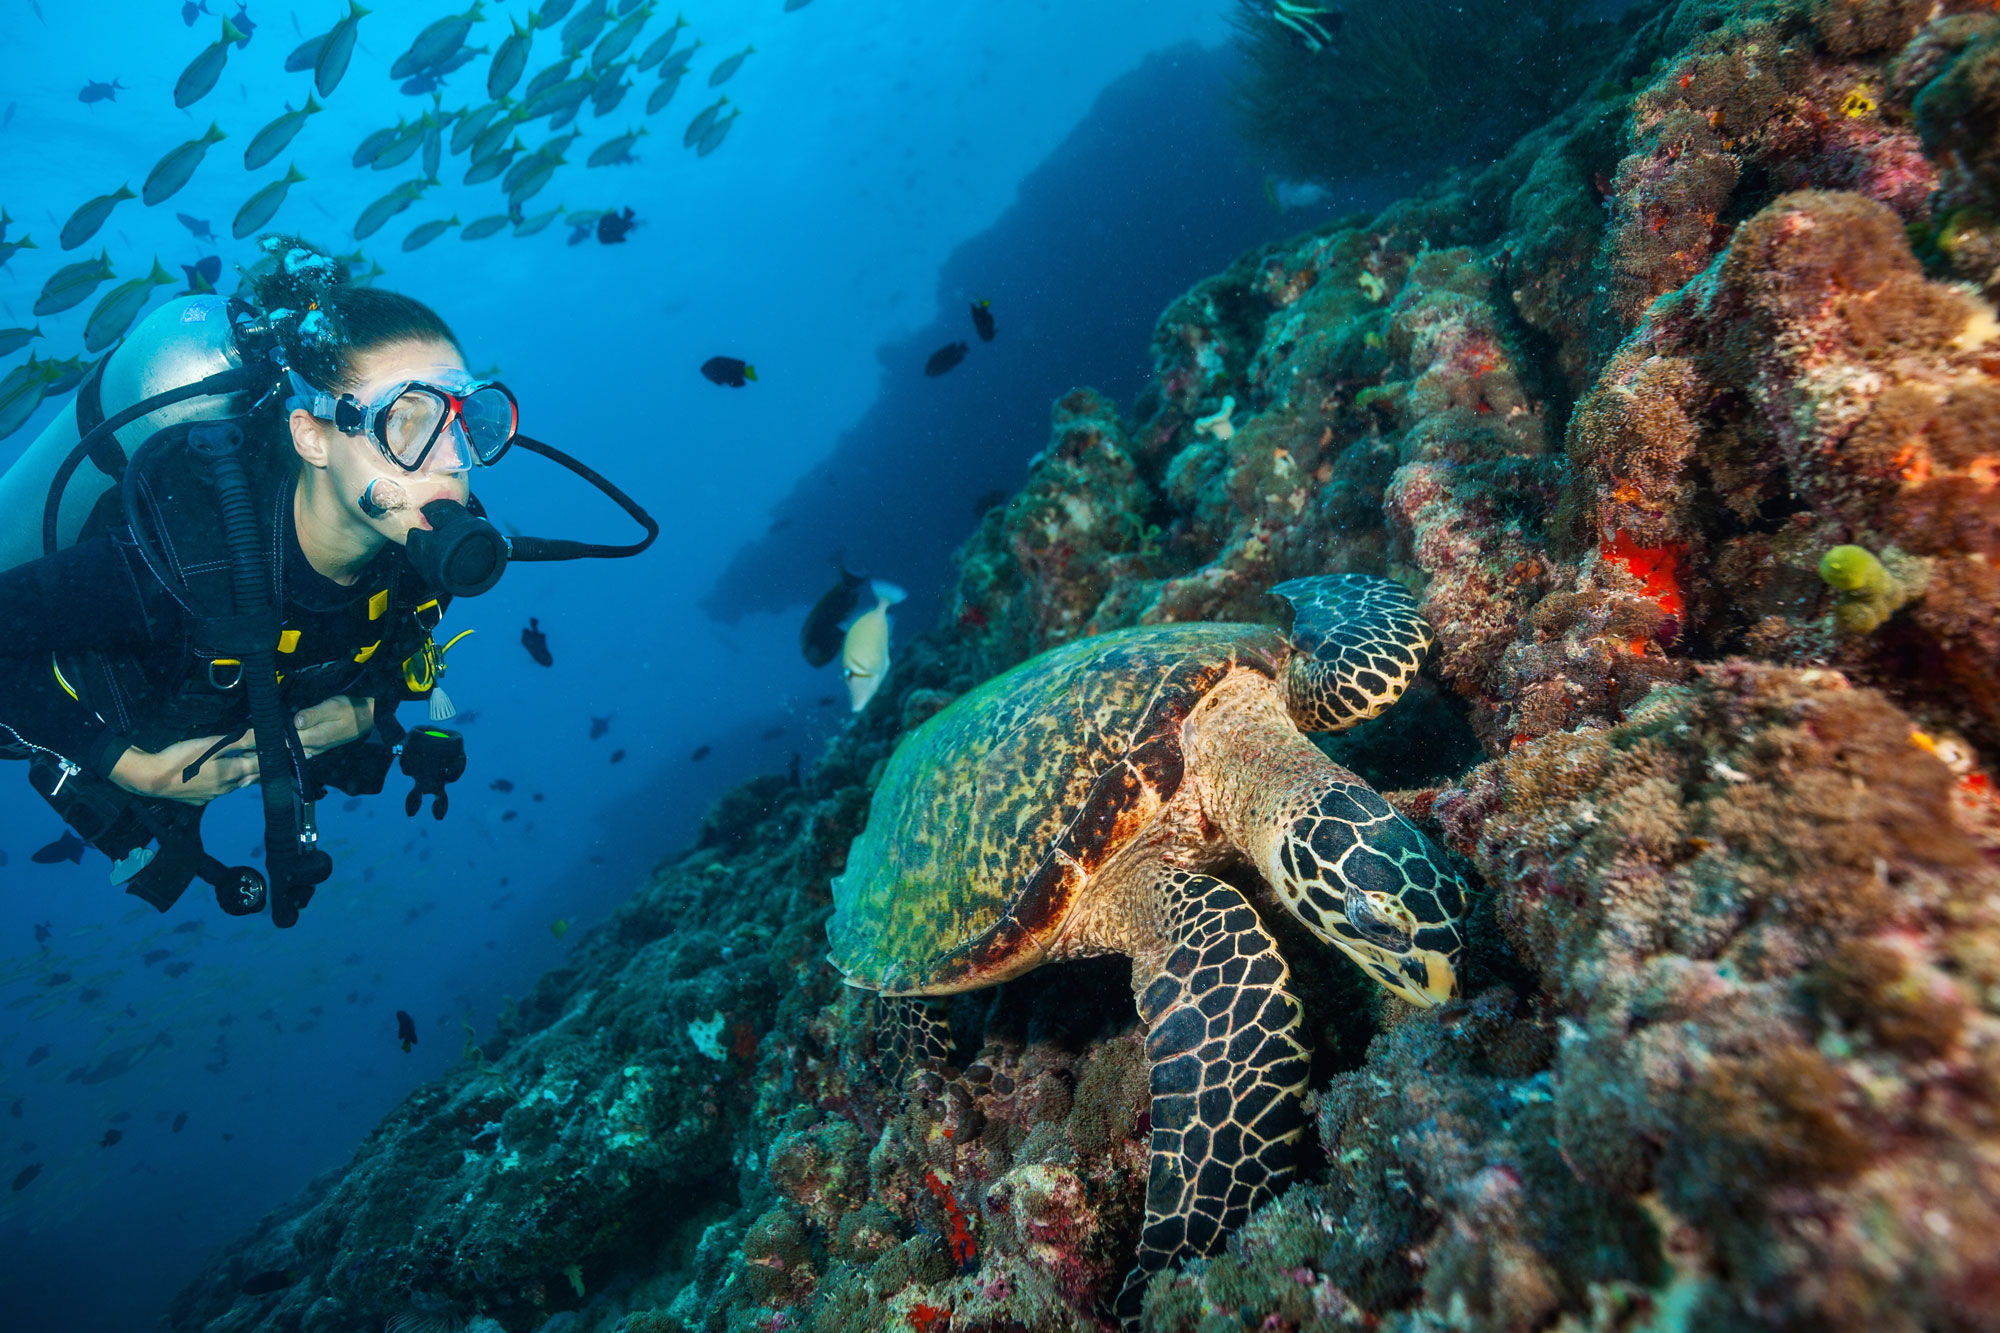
(183, 342)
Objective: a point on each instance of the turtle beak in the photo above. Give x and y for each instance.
(1429, 979)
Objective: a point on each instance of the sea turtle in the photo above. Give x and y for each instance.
(1076, 805)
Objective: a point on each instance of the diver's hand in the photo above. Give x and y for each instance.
(159, 774)
(337, 721)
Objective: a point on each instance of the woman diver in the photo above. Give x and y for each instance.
(131, 673)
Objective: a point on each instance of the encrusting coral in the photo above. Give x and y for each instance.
(1619, 409)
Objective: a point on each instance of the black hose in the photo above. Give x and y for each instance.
(559, 548)
(292, 869)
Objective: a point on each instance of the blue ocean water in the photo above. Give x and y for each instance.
(1073, 163)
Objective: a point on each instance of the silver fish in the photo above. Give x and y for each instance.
(470, 126)
(120, 306)
(404, 146)
(510, 60)
(424, 233)
(716, 134)
(564, 96)
(306, 54)
(539, 222)
(657, 50)
(259, 207)
(547, 79)
(83, 223)
(703, 119)
(722, 73)
(66, 374)
(533, 183)
(663, 92)
(615, 152)
(582, 30)
(492, 139)
(480, 228)
(171, 172)
(274, 138)
(70, 284)
(338, 50)
(486, 168)
(619, 40)
(198, 79)
(610, 90)
(21, 392)
(390, 204)
(437, 43)
(372, 147)
(13, 340)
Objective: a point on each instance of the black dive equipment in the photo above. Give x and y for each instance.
(462, 554)
(432, 757)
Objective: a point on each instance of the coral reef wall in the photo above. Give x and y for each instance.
(1683, 420)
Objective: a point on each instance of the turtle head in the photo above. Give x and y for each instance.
(1407, 941)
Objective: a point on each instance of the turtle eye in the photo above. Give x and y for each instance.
(1379, 918)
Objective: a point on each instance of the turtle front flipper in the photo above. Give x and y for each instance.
(1228, 1071)
(1357, 642)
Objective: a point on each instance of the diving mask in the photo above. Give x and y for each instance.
(408, 418)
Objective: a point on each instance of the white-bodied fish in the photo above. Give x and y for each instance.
(259, 207)
(480, 228)
(716, 134)
(198, 79)
(703, 119)
(615, 152)
(539, 222)
(864, 655)
(120, 306)
(71, 283)
(510, 60)
(424, 233)
(337, 51)
(171, 172)
(657, 50)
(663, 92)
(619, 40)
(722, 73)
(21, 392)
(83, 223)
(273, 138)
(390, 204)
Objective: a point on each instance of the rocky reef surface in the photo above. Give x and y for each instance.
(1683, 420)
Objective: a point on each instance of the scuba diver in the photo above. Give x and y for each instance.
(244, 596)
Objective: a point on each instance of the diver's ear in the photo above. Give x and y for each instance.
(308, 437)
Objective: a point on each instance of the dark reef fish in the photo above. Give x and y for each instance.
(152, 956)
(820, 636)
(111, 1136)
(614, 226)
(536, 642)
(68, 847)
(264, 1283)
(982, 320)
(598, 726)
(36, 1056)
(501, 785)
(406, 1028)
(24, 1175)
(101, 92)
(180, 1122)
(617, 756)
(945, 357)
(728, 371)
(179, 969)
(701, 752)
(201, 274)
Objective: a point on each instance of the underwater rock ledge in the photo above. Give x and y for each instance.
(1729, 1053)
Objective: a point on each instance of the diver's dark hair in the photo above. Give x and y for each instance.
(323, 319)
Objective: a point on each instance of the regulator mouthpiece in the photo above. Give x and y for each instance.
(459, 554)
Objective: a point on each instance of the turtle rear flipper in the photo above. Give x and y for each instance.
(1228, 1072)
(1357, 642)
